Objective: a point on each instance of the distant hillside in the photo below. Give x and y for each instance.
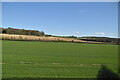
(13, 34)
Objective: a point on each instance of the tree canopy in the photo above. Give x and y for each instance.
(21, 31)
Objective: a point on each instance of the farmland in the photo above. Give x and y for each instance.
(42, 38)
(23, 59)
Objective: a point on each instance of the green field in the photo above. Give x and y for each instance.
(56, 59)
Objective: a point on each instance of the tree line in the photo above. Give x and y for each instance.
(21, 31)
(101, 39)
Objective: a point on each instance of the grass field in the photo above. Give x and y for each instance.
(56, 59)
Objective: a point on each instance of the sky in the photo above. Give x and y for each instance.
(63, 18)
(60, 0)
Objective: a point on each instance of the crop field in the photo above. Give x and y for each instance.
(23, 59)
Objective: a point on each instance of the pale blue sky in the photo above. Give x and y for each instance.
(63, 18)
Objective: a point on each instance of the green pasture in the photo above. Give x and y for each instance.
(23, 59)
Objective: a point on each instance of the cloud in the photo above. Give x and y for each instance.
(76, 32)
(100, 33)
